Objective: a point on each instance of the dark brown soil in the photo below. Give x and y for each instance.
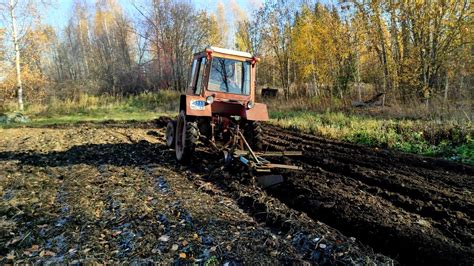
(112, 192)
(412, 208)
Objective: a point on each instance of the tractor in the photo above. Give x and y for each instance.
(219, 109)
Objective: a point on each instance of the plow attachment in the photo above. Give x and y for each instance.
(260, 164)
(237, 148)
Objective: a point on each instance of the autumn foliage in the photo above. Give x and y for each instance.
(413, 51)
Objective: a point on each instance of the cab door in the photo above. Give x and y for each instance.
(198, 76)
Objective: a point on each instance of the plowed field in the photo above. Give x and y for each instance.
(412, 208)
(113, 192)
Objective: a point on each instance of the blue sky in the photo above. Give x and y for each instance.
(58, 13)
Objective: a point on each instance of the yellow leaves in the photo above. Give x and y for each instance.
(106, 15)
(242, 38)
(239, 14)
(2, 51)
(317, 43)
(100, 22)
(222, 24)
(99, 207)
(214, 34)
(35, 44)
(33, 82)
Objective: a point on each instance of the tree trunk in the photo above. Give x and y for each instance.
(446, 87)
(287, 59)
(315, 87)
(357, 78)
(17, 57)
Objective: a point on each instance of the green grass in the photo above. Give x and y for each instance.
(89, 117)
(142, 107)
(450, 140)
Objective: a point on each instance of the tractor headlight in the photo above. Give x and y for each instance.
(209, 99)
(250, 104)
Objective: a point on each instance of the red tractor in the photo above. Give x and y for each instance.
(219, 109)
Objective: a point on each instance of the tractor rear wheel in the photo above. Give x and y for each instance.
(187, 135)
(171, 134)
(253, 133)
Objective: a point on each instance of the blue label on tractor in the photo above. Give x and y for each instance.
(197, 105)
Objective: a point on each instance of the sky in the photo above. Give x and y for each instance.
(58, 13)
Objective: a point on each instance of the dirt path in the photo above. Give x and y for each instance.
(112, 192)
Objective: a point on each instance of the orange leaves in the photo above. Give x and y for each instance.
(33, 81)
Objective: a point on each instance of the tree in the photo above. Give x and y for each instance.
(11, 6)
(112, 41)
(322, 49)
(222, 25)
(249, 33)
(175, 31)
(17, 13)
(3, 67)
(2, 52)
(415, 41)
(277, 32)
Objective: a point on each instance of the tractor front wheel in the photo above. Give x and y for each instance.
(187, 135)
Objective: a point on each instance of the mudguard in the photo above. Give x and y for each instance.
(257, 113)
(197, 106)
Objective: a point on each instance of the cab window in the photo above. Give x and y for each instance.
(193, 73)
(229, 76)
(201, 67)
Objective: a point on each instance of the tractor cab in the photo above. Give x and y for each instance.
(222, 81)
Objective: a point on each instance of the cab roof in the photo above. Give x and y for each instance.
(229, 51)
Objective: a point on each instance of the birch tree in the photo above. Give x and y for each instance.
(12, 8)
(20, 17)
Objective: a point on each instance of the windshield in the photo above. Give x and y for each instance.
(229, 76)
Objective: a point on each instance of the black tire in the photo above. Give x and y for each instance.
(171, 134)
(253, 133)
(187, 135)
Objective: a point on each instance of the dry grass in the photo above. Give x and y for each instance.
(412, 128)
(448, 139)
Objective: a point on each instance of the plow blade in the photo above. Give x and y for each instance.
(280, 166)
(280, 153)
(265, 166)
(269, 180)
(271, 153)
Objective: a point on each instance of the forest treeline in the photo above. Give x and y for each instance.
(410, 50)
